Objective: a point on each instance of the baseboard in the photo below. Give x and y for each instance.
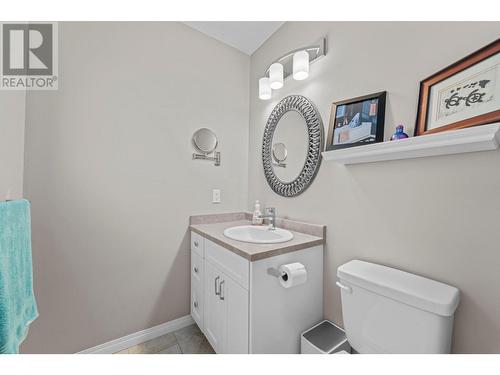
(139, 337)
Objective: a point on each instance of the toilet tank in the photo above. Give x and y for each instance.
(386, 310)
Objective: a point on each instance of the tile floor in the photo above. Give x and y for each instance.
(188, 340)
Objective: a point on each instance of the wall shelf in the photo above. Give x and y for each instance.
(479, 138)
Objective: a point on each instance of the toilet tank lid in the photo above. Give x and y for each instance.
(417, 291)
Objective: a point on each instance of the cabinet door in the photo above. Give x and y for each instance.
(214, 309)
(236, 305)
(197, 276)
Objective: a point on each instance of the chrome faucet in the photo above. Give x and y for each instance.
(271, 217)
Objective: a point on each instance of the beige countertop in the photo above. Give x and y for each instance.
(214, 231)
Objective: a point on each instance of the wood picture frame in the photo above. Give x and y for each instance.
(457, 69)
(375, 129)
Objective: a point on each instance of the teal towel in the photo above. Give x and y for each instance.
(17, 301)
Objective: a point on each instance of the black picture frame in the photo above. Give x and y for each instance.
(374, 136)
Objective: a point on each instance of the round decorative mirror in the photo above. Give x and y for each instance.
(205, 141)
(294, 132)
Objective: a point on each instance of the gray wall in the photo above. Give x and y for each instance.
(437, 217)
(12, 110)
(110, 176)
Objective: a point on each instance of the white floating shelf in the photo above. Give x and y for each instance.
(479, 138)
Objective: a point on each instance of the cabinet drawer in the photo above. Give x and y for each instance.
(197, 244)
(228, 262)
(197, 308)
(197, 270)
(197, 280)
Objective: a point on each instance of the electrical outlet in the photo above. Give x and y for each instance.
(216, 196)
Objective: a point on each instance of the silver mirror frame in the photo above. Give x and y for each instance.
(316, 141)
(209, 133)
(203, 154)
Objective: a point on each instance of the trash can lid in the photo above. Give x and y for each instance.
(325, 336)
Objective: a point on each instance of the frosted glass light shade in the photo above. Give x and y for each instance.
(276, 76)
(264, 89)
(300, 65)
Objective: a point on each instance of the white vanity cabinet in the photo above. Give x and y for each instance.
(241, 308)
(219, 295)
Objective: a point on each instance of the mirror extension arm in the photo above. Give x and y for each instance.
(215, 158)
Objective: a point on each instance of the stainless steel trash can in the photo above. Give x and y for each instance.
(324, 338)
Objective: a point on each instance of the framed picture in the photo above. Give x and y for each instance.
(464, 94)
(357, 121)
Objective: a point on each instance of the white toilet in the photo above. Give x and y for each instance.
(386, 310)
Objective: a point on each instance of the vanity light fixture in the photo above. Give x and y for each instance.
(276, 76)
(295, 63)
(300, 65)
(264, 88)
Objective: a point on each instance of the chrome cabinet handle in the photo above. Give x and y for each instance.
(195, 269)
(217, 293)
(346, 288)
(196, 243)
(195, 304)
(220, 289)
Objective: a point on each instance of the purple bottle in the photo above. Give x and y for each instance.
(400, 134)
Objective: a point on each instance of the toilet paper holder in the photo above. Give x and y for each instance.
(273, 272)
(289, 275)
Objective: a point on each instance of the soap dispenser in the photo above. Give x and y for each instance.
(256, 219)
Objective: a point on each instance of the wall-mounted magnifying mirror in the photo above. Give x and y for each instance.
(205, 142)
(279, 154)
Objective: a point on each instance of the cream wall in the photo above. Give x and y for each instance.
(12, 108)
(109, 172)
(437, 217)
(110, 175)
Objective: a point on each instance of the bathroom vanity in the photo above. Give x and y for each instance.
(237, 299)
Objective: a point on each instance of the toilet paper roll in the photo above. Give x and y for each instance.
(292, 274)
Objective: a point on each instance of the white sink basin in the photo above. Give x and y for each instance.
(258, 234)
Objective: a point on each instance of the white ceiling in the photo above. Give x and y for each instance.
(245, 36)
